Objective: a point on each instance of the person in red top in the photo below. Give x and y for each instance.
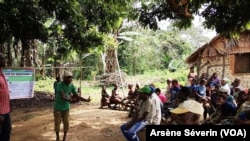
(5, 121)
(161, 95)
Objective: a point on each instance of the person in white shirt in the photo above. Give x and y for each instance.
(143, 117)
(157, 107)
(225, 84)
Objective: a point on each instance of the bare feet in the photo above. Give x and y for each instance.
(64, 136)
(57, 136)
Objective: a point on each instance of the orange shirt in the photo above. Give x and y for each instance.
(4, 95)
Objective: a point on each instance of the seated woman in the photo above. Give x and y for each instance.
(115, 98)
(129, 101)
(105, 100)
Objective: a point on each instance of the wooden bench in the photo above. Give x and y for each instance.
(115, 106)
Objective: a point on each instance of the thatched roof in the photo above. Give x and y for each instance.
(220, 46)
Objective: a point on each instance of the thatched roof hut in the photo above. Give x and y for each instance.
(220, 46)
(228, 57)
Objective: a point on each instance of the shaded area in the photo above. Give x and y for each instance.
(87, 122)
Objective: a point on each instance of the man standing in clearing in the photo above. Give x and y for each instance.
(5, 121)
(62, 104)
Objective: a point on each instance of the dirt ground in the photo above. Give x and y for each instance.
(87, 123)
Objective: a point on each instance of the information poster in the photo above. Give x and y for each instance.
(21, 82)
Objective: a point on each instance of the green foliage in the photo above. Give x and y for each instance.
(110, 43)
(39, 77)
(91, 62)
(228, 17)
(64, 26)
(159, 77)
(23, 20)
(44, 85)
(183, 24)
(105, 15)
(77, 73)
(152, 51)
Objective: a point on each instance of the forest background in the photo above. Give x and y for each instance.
(92, 38)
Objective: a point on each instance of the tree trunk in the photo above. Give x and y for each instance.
(110, 61)
(35, 60)
(27, 53)
(16, 48)
(56, 69)
(2, 49)
(103, 56)
(57, 72)
(9, 55)
(22, 59)
(99, 65)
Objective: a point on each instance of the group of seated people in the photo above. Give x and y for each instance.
(117, 100)
(223, 102)
(211, 101)
(188, 111)
(147, 112)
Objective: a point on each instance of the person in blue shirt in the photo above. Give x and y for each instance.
(193, 85)
(173, 93)
(227, 108)
(174, 90)
(214, 80)
(201, 90)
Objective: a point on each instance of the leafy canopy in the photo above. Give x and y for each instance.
(227, 17)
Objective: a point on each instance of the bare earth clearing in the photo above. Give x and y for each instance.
(87, 123)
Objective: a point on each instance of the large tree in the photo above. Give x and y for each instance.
(227, 17)
(77, 24)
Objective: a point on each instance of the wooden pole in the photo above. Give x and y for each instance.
(119, 72)
(81, 81)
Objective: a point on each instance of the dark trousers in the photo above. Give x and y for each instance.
(5, 127)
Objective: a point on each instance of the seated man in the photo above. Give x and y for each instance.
(105, 100)
(188, 112)
(243, 111)
(225, 110)
(142, 118)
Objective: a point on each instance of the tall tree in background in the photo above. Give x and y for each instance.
(23, 21)
(108, 17)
